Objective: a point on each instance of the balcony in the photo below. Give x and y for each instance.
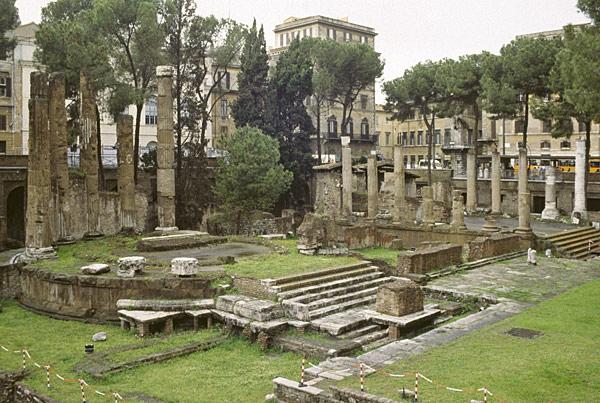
(365, 138)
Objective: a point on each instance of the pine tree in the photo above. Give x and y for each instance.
(249, 109)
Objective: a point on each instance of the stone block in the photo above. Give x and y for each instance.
(257, 309)
(130, 265)
(396, 244)
(95, 269)
(227, 302)
(428, 259)
(184, 266)
(399, 298)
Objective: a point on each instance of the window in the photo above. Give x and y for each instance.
(2, 147)
(545, 145)
(223, 110)
(519, 126)
(310, 31)
(287, 38)
(332, 125)
(398, 138)
(281, 40)
(581, 128)
(224, 80)
(350, 127)
(565, 145)
(493, 129)
(411, 139)
(363, 39)
(413, 163)
(5, 87)
(405, 161)
(224, 130)
(427, 137)
(470, 137)
(479, 134)
(447, 137)
(347, 36)
(331, 33)
(566, 126)
(420, 138)
(151, 112)
(364, 127)
(387, 138)
(364, 100)
(546, 126)
(437, 136)
(404, 134)
(3, 124)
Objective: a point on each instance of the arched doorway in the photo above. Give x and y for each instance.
(15, 214)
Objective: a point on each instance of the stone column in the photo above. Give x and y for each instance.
(58, 145)
(496, 181)
(427, 205)
(372, 185)
(88, 157)
(165, 174)
(579, 205)
(399, 184)
(524, 214)
(346, 177)
(523, 170)
(550, 211)
(125, 175)
(471, 182)
(458, 210)
(38, 240)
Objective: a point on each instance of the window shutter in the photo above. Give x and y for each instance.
(8, 87)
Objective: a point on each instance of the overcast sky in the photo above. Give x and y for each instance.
(409, 31)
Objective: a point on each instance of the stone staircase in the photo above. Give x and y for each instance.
(580, 243)
(316, 295)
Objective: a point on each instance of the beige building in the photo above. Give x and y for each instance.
(222, 124)
(362, 126)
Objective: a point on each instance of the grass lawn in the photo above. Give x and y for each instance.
(390, 256)
(562, 365)
(280, 265)
(235, 371)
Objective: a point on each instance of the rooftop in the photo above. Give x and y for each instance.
(294, 22)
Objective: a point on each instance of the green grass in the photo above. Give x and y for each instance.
(105, 250)
(235, 371)
(280, 265)
(390, 256)
(562, 365)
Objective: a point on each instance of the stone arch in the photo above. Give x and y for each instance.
(15, 214)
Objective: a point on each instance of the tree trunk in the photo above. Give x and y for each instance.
(588, 146)
(319, 132)
(99, 151)
(476, 147)
(238, 222)
(136, 141)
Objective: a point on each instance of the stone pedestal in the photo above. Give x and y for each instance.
(346, 177)
(471, 182)
(399, 298)
(524, 227)
(372, 185)
(129, 266)
(184, 266)
(427, 205)
(58, 151)
(165, 175)
(458, 210)
(38, 238)
(550, 211)
(579, 205)
(125, 172)
(496, 182)
(89, 155)
(490, 225)
(399, 184)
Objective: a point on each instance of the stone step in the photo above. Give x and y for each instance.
(586, 253)
(299, 292)
(361, 331)
(575, 240)
(569, 234)
(581, 247)
(308, 296)
(338, 299)
(328, 310)
(371, 337)
(320, 273)
(341, 322)
(325, 279)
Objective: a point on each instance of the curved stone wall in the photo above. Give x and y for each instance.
(95, 297)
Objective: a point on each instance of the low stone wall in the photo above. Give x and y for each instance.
(413, 236)
(424, 260)
(354, 396)
(12, 391)
(288, 391)
(10, 284)
(95, 298)
(251, 287)
(496, 245)
(258, 224)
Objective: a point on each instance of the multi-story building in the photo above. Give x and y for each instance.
(226, 93)
(362, 125)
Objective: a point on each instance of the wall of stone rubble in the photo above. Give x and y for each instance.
(12, 391)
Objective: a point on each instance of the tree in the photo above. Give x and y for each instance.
(135, 39)
(9, 20)
(591, 8)
(249, 108)
(520, 72)
(420, 90)
(286, 118)
(250, 176)
(352, 68)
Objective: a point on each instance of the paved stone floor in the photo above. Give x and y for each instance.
(539, 227)
(210, 252)
(516, 280)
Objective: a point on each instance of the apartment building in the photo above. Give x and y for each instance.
(362, 125)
